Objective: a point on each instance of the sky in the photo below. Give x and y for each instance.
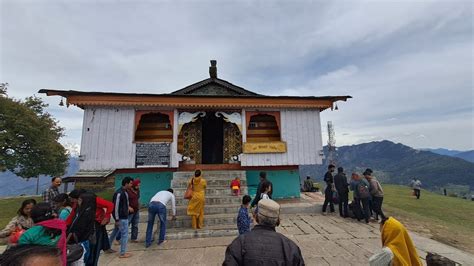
(407, 64)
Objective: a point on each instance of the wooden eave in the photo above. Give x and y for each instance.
(82, 99)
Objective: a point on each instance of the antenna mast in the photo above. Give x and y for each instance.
(331, 144)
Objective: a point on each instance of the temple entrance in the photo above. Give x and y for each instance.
(212, 139)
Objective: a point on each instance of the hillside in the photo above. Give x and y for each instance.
(467, 155)
(12, 185)
(398, 164)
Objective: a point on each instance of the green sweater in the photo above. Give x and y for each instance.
(36, 235)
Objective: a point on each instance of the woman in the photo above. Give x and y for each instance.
(196, 204)
(47, 231)
(22, 221)
(83, 224)
(63, 205)
(398, 248)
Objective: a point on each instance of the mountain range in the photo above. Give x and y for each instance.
(397, 164)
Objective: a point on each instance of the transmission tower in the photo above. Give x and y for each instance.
(331, 144)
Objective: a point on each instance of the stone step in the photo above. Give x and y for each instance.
(213, 200)
(209, 220)
(212, 191)
(207, 231)
(208, 209)
(217, 182)
(212, 174)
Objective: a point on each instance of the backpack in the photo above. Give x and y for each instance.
(363, 190)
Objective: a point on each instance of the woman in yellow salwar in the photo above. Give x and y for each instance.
(196, 204)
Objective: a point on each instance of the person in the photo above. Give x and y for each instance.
(308, 185)
(263, 178)
(158, 207)
(82, 226)
(47, 231)
(31, 255)
(121, 211)
(328, 199)
(103, 213)
(63, 205)
(398, 248)
(263, 245)
(342, 188)
(376, 192)
(196, 204)
(50, 193)
(243, 218)
(360, 186)
(235, 186)
(19, 223)
(134, 217)
(416, 185)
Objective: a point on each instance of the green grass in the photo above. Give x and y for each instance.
(446, 219)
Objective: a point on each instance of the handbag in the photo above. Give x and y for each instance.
(74, 252)
(189, 191)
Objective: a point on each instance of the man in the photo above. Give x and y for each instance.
(342, 187)
(158, 207)
(308, 185)
(134, 217)
(360, 186)
(416, 185)
(50, 193)
(263, 245)
(329, 189)
(263, 178)
(377, 194)
(121, 211)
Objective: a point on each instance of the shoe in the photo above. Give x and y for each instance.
(116, 242)
(134, 241)
(147, 245)
(162, 242)
(324, 213)
(125, 255)
(110, 251)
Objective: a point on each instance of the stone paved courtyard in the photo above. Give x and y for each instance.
(324, 240)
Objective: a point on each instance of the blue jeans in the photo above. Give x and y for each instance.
(123, 230)
(133, 220)
(156, 208)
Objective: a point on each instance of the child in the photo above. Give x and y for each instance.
(243, 218)
(235, 186)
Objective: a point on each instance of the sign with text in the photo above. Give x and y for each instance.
(152, 155)
(265, 147)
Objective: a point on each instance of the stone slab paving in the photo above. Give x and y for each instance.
(324, 240)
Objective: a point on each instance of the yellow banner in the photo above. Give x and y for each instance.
(265, 147)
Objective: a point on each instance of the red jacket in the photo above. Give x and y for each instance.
(100, 213)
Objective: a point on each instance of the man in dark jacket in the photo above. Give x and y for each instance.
(263, 178)
(263, 245)
(342, 187)
(120, 214)
(329, 189)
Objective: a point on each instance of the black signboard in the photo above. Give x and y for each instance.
(152, 154)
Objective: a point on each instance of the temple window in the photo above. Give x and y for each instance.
(153, 127)
(263, 127)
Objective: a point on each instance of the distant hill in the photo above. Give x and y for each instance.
(467, 155)
(12, 185)
(442, 151)
(398, 164)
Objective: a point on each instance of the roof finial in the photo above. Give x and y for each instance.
(213, 69)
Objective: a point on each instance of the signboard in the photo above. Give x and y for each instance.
(265, 147)
(152, 155)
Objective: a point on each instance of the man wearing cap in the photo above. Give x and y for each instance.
(134, 203)
(263, 245)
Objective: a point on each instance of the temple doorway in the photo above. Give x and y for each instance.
(212, 139)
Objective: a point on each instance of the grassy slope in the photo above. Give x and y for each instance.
(446, 219)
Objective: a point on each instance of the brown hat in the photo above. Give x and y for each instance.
(268, 208)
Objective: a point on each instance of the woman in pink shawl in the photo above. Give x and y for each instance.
(47, 231)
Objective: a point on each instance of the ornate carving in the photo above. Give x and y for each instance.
(234, 118)
(232, 141)
(186, 117)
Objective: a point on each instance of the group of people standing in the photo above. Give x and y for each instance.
(367, 194)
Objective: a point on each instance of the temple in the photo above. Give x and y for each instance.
(211, 125)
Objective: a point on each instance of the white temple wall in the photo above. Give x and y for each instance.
(301, 130)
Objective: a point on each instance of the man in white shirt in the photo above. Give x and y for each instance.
(157, 206)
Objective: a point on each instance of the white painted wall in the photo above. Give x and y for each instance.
(107, 138)
(301, 130)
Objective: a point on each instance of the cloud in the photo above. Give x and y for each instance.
(405, 63)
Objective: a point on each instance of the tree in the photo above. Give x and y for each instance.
(29, 137)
